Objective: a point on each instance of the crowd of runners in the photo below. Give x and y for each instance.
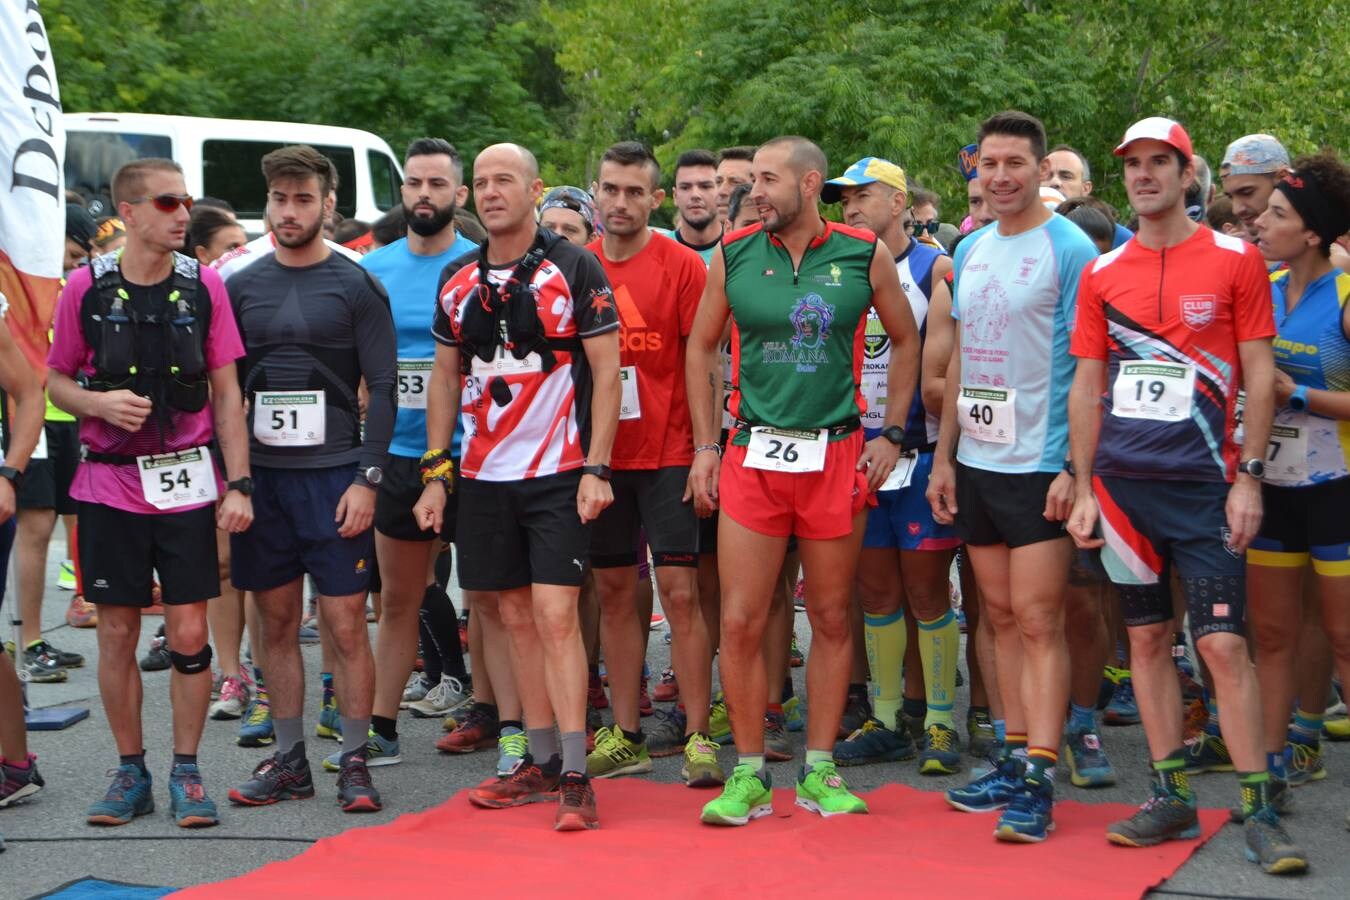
(1115, 453)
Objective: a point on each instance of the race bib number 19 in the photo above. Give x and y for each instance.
(289, 418)
(173, 480)
(786, 450)
(987, 414)
(1153, 390)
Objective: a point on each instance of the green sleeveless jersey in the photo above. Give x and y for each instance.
(797, 336)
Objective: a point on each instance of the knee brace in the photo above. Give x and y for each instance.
(192, 663)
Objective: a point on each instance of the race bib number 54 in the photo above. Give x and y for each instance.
(173, 480)
(786, 450)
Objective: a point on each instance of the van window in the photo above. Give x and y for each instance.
(384, 180)
(93, 156)
(232, 171)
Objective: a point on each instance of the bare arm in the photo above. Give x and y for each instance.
(227, 413)
(1085, 423)
(602, 352)
(24, 390)
(1244, 506)
(937, 349)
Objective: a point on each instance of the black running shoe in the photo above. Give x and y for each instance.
(356, 793)
(278, 777)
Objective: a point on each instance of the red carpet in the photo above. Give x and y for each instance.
(652, 846)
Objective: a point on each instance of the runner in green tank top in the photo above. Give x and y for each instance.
(797, 290)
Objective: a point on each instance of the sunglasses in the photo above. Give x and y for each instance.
(167, 203)
(921, 227)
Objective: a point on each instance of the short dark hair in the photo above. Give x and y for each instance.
(695, 158)
(919, 195)
(430, 146)
(204, 223)
(1015, 123)
(350, 230)
(1094, 224)
(744, 152)
(737, 199)
(129, 181)
(633, 153)
(1090, 201)
(300, 161)
(803, 153)
(1087, 169)
(389, 227)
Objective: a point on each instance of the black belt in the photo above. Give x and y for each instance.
(123, 459)
(847, 427)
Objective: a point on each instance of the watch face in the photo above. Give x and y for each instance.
(374, 474)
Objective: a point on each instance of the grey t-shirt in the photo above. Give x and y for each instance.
(320, 327)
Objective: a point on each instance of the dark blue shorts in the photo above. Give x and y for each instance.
(294, 532)
(903, 519)
(6, 545)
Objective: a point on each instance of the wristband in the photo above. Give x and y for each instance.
(1298, 400)
(436, 465)
(716, 448)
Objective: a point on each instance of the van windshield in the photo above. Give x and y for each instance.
(232, 171)
(93, 156)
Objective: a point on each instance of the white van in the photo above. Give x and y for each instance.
(222, 158)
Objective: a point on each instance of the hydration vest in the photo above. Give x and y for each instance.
(159, 354)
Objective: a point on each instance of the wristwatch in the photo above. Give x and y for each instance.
(373, 475)
(14, 475)
(894, 433)
(1298, 400)
(1254, 467)
(243, 485)
(604, 473)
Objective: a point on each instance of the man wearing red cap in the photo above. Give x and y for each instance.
(1169, 325)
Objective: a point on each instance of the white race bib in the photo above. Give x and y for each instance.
(987, 414)
(1239, 408)
(40, 451)
(173, 480)
(506, 364)
(786, 449)
(289, 418)
(629, 405)
(1153, 390)
(413, 375)
(903, 474)
(1287, 453)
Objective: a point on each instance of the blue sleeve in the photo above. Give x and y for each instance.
(1123, 235)
(1073, 250)
(959, 263)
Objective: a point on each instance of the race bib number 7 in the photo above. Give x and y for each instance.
(786, 450)
(987, 414)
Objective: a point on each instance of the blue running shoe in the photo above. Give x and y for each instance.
(1027, 818)
(255, 729)
(1208, 753)
(873, 743)
(1122, 710)
(1089, 766)
(330, 721)
(794, 712)
(379, 752)
(941, 754)
(187, 798)
(991, 792)
(128, 797)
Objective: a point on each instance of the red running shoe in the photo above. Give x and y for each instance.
(527, 784)
(667, 689)
(576, 804)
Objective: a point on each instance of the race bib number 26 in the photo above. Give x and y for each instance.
(786, 450)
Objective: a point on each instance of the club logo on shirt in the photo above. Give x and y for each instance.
(1197, 310)
(811, 318)
(988, 314)
(875, 339)
(834, 279)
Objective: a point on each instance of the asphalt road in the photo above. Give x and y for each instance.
(49, 842)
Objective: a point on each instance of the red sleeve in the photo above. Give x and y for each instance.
(1089, 330)
(693, 278)
(1253, 310)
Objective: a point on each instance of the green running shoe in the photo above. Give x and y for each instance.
(823, 790)
(719, 723)
(744, 797)
(616, 755)
(255, 729)
(701, 768)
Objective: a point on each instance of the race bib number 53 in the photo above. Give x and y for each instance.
(786, 450)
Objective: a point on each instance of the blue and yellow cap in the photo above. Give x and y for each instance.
(865, 171)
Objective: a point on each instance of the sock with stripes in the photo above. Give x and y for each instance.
(1172, 775)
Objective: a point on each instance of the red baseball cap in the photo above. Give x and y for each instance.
(1158, 128)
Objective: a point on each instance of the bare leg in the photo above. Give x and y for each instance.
(119, 681)
(185, 626)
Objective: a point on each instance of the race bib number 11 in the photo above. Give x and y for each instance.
(786, 450)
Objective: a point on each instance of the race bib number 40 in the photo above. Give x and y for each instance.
(289, 418)
(412, 383)
(786, 450)
(173, 480)
(1153, 390)
(987, 414)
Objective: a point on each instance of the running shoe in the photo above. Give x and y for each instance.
(1207, 753)
(1122, 710)
(667, 689)
(823, 790)
(527, 784)
(1089, 766)
(128, 796)
(416, 689)
(1270, 847)
(81, 613)
(476, 731)
(233, 699)
(1197, 717)
(989, 792)
(665, 736)
(188, 802)
(1027, 819)
(441, 700)
(330, 720)
(64, 658)
(857, 710)
(777, 745)
(17, 785)
(1279, 797)
(1303, 763)
(645, 707)
(355, 791)
(576, 804)
(719, 723)
(379, 751)
(255, 730)
(156, 658)
(744, 797)
(941, 753)
(1336, 724)
(658, 621)
(511, 751)
(795, 658)
(595, 691)
(794, 711)
(1163, 817)
(701, 768)
(979, 733)
(39, 668)
(279, 777)
(911, 725)
(65, 580)
(616, 755)
(874, 743)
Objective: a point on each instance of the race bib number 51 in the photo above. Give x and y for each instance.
(987, 414)
(786, 450)
(289, 418)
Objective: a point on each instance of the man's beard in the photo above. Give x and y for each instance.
(710, 216)
(305, 238)
(425, 227)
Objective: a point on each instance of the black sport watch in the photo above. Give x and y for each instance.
(894, 433)
(14, 475)
(242, 485)
(604, 473)
(1254, 467)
